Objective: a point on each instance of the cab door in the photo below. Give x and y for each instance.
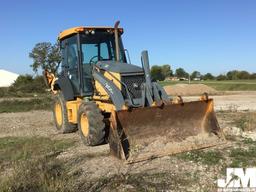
(70, 62)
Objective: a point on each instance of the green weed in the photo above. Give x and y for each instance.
(205, 157)
(243, 157)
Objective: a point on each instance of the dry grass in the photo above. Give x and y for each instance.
(41, 174)
(16, 105)
(246, 121)
(163, 181)
(30, 164)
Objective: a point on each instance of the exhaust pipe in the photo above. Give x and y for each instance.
(117, 41)
(146, 68)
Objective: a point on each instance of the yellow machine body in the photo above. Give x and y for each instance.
(150, 132)
(144, 132)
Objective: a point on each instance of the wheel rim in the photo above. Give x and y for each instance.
(84, 125)
(58, 113)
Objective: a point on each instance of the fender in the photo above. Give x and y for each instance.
(63, 83)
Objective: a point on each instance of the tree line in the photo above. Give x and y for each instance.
(47, 56)
(163, 72)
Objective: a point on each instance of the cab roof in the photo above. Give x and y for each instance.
(75, 30)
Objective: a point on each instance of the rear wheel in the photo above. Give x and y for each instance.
(90, 124)
(60, 115)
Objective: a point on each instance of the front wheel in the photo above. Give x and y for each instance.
(90, 124)
(60, 115)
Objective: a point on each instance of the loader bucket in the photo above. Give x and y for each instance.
(145, 133)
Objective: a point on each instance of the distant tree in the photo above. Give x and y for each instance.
(157, 73)
(45, 56)
(208, 76)
(235, 74)
(40, 83)
(243, 75)
(232, 75)
(195, 74)
(28, 84)
(166, 70)
(253, 76)
(180, 72)
(22, 80)
(221, 77)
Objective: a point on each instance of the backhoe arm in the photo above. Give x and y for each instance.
(50, 80)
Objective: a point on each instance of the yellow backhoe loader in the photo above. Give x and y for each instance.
(107, 99)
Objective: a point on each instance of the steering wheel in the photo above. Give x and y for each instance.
(94, 62)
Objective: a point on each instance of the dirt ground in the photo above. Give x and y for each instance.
(189, 89)
(95, 162)
(232, 100)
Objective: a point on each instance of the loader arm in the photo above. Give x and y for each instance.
(114, 93)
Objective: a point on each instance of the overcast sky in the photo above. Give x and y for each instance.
(205, 35)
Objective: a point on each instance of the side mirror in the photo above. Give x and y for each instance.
(62, 44)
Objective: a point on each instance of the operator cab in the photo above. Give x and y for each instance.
(81, 48)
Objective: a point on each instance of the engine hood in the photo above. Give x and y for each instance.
(118, 67)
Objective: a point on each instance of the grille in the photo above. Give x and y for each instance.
(133, 83)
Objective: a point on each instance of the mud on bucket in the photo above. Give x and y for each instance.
(145, 133)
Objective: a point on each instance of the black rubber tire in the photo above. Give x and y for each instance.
(96, 135)
(65, 127)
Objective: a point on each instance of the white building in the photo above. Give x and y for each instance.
(7, 78)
